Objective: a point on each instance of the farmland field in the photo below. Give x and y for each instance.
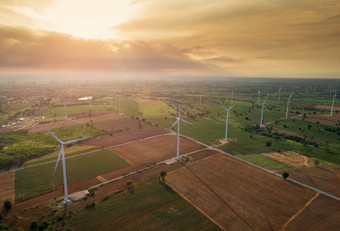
(154, 107)
(155, 149)
(69, 151)
(107, 141)
(122, 125)
(7, 186)
(30, 182)
(322, 214)
(150, 207)
(237, 196)
(326, 178)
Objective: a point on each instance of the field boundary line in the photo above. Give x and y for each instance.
(194, 205)
(284, 227)
(266, 170)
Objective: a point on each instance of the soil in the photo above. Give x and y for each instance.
(238, 196)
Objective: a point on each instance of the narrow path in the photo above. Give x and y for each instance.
(284, 227)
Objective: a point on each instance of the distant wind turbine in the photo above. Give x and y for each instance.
(333, 104)
(280, 93)
(178, 120)
(258, 97)
(290, 96)
(261, 124)
(201, 98)
(227, 119)
(232, 96)
(119, 107)
(62, 153)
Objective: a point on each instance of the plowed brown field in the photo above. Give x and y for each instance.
(238, 196)
(155, 149)
(325, 178)
(322, 214)
(123, 124)
(7, 186)
(84, 120)
(109, 141)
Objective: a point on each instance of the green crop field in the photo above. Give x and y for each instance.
(151, 207)
(265, 162)
(69, 151)
(155, 108)
(58, 113)
(127, 106)
(30, 182)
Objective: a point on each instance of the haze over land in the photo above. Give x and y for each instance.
(260, 38)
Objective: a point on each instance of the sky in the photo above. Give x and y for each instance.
(231, 38)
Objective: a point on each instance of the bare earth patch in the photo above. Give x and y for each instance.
(291, 158)
(7, 186)
(326, 178)
(238, 196)
(120, 139)
(155, 149)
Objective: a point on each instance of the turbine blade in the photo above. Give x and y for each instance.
(265, 100)
(56, 165)
(174, 124)
(224, 108)
(54, 136)
(231, 107)
(187, 122)
(72, 141)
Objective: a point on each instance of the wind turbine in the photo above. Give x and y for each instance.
(178, 120)
(201, 98)
(62, 153)
(258, 97)
(261, 125)
(226, 126)
(119, 108)
(290, 96)
(232, 96)
(65, 111)
(280, 93)
(333, 104)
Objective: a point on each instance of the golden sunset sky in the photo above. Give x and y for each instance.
(246, 38)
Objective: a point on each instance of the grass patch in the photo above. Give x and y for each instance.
(265, 162)
(69, 151)
(34, 181)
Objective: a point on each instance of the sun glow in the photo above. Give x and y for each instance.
(87, 18)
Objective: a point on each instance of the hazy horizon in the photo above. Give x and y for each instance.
(127, 38)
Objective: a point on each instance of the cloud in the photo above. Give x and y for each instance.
(24, 48)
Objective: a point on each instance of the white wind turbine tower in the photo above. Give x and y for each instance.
(62, 153)
(258, 97)
(261, 124)
(178, 120)
(290, 96)
(280, 93)
(201, 98)
(119, 108)
(333, 104)
(227, 119)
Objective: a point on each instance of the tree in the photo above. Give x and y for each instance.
(285, 175)
(7, 205)
(34, 226)
(129, 183)
(309, 126)
(163, 174)
(268, 144)
(316, 163)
